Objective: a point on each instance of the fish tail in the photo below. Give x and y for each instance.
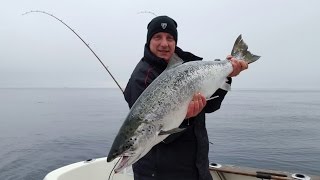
(240, 51)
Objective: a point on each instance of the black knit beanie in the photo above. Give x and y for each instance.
(162, 24)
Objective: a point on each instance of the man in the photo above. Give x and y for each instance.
(181, 155)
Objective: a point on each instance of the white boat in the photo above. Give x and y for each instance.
(99, 169)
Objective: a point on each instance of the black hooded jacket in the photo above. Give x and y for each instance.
(181, 155)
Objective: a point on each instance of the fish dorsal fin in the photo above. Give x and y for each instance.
(171, 131)
(174, 61)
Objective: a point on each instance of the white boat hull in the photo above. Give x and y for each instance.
(99, 169)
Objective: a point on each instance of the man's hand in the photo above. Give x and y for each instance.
(196, 105)
(238, 65)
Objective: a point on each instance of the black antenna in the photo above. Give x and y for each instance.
(36, 11)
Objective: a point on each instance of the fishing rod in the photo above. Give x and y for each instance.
(147, 12)
(43, 12)
(109, 178)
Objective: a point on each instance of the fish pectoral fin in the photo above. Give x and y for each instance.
(225, 86)
(174, 61)
(171, 131)
(214, 97)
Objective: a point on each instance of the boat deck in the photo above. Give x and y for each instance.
(99, 169)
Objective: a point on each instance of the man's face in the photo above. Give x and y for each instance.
(162, 45)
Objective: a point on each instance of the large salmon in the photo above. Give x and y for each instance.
(163, 105)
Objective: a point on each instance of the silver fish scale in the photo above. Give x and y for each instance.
(166, 94)
(175, 86)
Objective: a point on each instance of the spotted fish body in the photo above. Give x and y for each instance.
(163, 105)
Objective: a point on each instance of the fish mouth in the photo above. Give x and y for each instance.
(123, 164)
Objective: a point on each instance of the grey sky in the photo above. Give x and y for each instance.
(38, 51)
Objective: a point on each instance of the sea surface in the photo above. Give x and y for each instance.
(44, 129)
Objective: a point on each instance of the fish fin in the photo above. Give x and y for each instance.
(225, 86)
(240, 51)
(214, 97)
(171, 131)
(174, 61)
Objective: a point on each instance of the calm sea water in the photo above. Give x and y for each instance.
(44, 129)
